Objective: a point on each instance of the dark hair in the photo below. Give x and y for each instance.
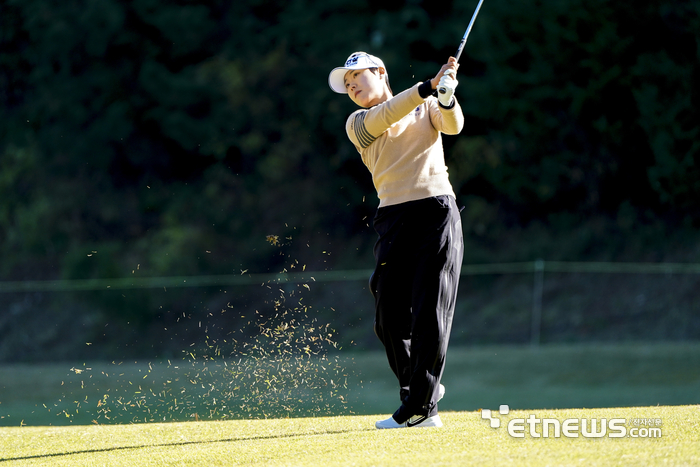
(386, 78)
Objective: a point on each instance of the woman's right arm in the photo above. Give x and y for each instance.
(366, 125)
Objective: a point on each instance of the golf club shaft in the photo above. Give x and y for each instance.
(469, 29)
(466, 35)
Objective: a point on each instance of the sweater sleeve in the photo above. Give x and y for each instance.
(448, 120)
(366, 125)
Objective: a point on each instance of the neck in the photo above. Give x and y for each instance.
(386, 95)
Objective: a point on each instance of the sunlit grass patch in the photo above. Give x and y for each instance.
(466, 439)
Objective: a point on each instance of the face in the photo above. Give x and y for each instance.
(365, 87)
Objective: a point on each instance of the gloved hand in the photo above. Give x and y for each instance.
(446, 88)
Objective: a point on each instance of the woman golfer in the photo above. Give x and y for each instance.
(419, 250)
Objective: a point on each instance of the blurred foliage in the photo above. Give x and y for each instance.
(174, 136)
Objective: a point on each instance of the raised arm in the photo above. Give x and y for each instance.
(366, 125)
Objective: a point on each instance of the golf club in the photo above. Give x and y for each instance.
(464, 39)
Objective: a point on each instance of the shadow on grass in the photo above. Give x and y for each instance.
(184, 443)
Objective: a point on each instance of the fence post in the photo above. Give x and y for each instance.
(538, 290)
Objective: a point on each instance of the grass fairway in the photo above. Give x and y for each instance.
(466, 439)
(649, 381)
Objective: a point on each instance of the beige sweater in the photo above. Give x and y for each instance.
(400, 144)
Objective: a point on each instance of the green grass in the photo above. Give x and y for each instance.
(466, 439)
(630, 381)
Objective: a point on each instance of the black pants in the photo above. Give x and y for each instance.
(418, 261)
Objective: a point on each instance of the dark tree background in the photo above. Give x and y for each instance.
(171, 137)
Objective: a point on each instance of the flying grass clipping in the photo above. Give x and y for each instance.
(282, 362)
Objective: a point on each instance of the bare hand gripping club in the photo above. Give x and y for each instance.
(464, 39)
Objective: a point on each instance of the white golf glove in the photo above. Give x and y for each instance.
(448, 83)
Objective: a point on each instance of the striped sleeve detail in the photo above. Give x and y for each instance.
(363, 136)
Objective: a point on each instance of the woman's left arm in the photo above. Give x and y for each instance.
(446, 120)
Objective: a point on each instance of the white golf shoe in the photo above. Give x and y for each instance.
(413, 422)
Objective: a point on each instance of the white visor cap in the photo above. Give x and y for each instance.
(356, 61)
